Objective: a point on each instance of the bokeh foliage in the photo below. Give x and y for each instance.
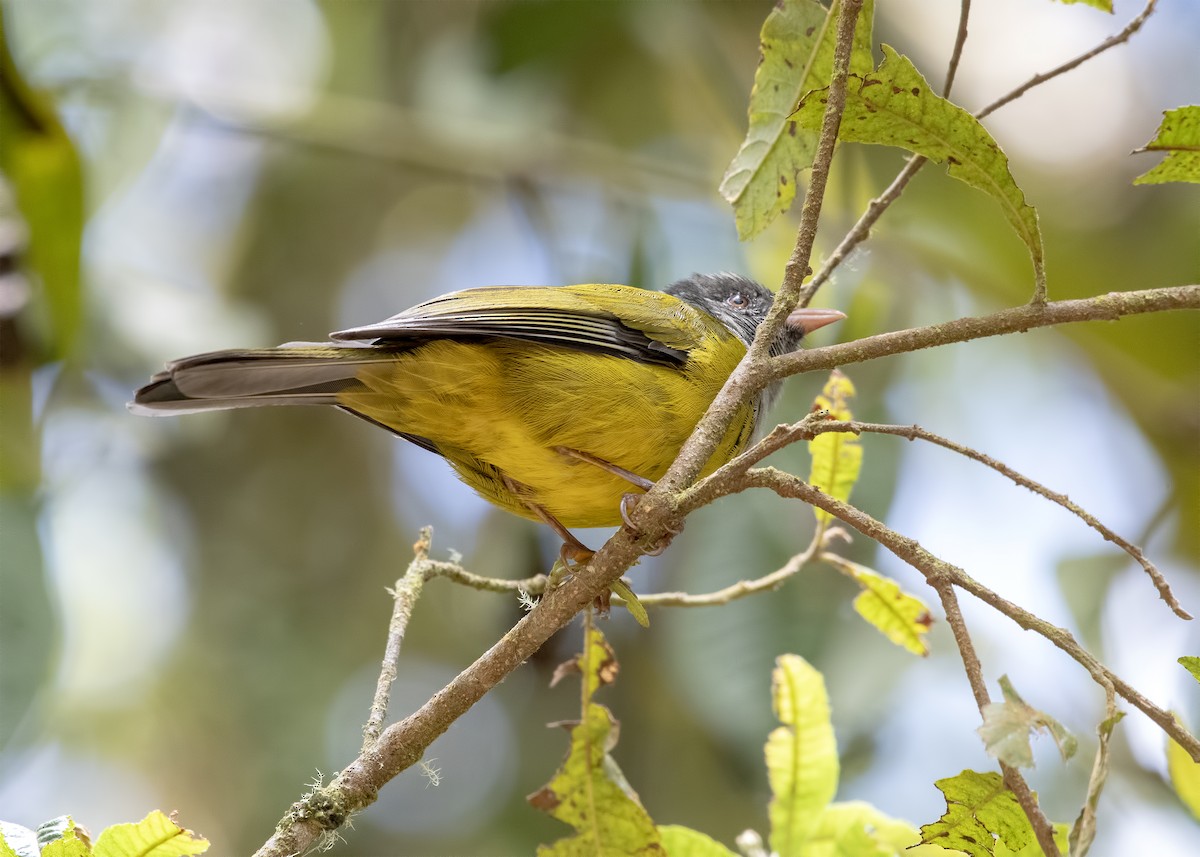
(269, 173)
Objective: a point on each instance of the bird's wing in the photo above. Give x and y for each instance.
(650, 327)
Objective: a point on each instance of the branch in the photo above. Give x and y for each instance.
(875, 209)
(405, 595)
(1042, 828)
(654, 507)
(1109, 307)
(808, 428)
(933, 568)
(742, 588)
(403, 743)
(1038, 79)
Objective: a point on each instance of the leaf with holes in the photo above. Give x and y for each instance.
(980, 811)
(894, 106)
(797, 43)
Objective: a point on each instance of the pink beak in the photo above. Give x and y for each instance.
(809, 319)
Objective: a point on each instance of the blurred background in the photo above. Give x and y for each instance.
(192, 610)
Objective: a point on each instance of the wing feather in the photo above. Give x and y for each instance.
(650, 327)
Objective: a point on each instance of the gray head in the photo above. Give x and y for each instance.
(741, 305)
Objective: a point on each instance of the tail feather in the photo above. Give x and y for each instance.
(289, 375)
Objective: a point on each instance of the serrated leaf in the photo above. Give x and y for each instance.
(17, 841)
(895, 106)
(979, 812)
(796, 42)
(836, 456)
(1179, 136)
(1192, 665)
(858, 829)
(1185, 777)
(682, 841)
(156, 835)
(1007, 727)
(589, 793)
(802, 760)
(902, 618)
(1033, 849)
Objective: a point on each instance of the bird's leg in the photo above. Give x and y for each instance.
(628, 475)
(628, 501)
(572, 550)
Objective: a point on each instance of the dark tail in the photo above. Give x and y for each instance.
(300, 374)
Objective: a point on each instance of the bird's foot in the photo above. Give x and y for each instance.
(628, 504)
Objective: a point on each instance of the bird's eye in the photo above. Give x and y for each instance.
(737, 299)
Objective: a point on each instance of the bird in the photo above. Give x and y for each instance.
(559, 404)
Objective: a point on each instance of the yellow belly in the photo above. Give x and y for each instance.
(497, 411)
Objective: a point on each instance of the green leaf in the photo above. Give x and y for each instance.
(902, 618)
(156, 835)
(1007, 726)
(1192, 665)
(17, 841)
(802, 760)
(1179, 136)
(1102, 5)
(632, 603)
(797, 43)
(589, 792)
(894, 106)
(682, 841)
(857, 829)
(1185, 777)
(1033, 849)
(836, 456)
(979, 810)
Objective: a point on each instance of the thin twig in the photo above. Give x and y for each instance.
(402, 744)
(875, 209)
(1016, 783)
(1038, 79)
(1109, 307)
(797, 268)
(960, 40)
(405, 595)
(455, 573)
(914, 432)
(741, 589)
(911, 552)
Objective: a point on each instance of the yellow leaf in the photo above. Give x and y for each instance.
(836, 456)
(156, 835)
(902, 618)
(1185, 776)
(802, 760)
